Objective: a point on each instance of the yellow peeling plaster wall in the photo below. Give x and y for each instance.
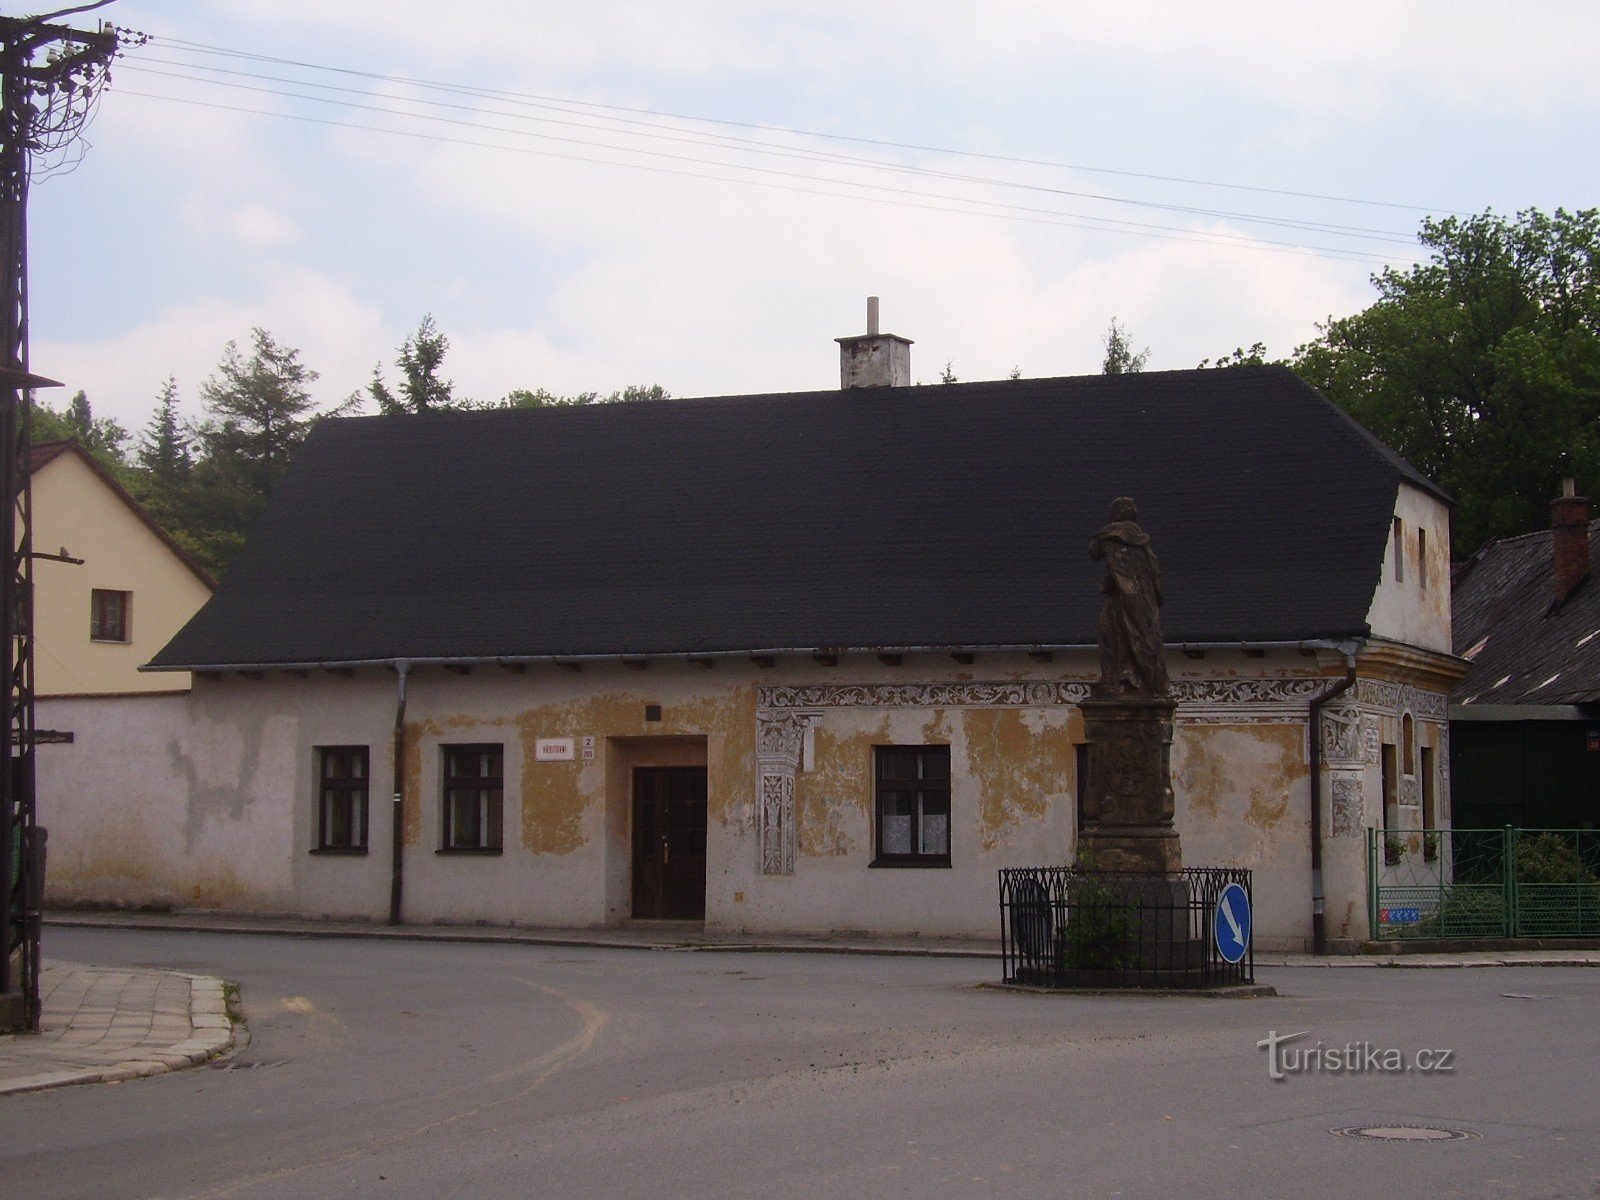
(213, 796)
(567, 824)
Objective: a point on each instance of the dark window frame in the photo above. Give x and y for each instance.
(353, 790)
(487, 792)
(103, 630)
(886, 785)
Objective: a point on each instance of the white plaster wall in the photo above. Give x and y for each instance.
(208, 800)
(159, 801)
(1416, 608)
(1028, 819)
(1244, 800)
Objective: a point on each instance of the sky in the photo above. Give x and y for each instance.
(701, 194)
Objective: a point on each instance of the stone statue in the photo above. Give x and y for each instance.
(1132, 661)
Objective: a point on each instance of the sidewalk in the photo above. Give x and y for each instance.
(689, 936)
(103, 1024)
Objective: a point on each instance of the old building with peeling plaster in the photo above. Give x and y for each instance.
(798, 663)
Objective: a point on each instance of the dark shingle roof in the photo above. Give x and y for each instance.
(947, 515)
(1530, 655)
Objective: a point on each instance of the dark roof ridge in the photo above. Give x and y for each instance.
(1127, 379)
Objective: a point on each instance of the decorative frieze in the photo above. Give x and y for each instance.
(1392, 699)
(1342, 735)
(1200, 701)
(1347, 802)
(1350, 730)
(921, 695)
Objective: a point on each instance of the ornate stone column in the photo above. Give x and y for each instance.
(1127, 801)
(779, 737)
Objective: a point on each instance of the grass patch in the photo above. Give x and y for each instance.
(231, 1002)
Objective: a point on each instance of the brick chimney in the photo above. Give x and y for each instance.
(1569, 526)
(874, 359)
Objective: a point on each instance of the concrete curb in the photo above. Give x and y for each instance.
(511, 937)
(631, 940)
(211, 1034)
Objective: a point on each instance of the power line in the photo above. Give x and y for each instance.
(1020, 213)
(996, 208)
(465, 89)
(746, 145)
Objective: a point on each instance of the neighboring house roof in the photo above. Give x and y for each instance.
(1502, 598)
(42, 454)
(878, 518)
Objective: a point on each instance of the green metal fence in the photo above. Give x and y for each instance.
(1484, 883)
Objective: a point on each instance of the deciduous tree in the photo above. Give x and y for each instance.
(1120, 358)
(1481, 365)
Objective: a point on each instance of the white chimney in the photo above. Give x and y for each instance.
(874, 359)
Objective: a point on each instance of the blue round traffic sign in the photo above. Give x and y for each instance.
(1231, 924)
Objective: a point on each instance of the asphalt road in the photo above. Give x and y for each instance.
(388, 1069)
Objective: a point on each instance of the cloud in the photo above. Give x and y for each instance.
(337, 334)
(1475, 55)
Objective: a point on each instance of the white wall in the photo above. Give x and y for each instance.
(207, 800)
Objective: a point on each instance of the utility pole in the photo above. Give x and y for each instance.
(50, 77)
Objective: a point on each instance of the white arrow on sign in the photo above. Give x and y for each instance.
(1233, 921)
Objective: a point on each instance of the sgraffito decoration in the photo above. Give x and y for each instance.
(784, 711)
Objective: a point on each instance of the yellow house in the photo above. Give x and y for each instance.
(97, 622)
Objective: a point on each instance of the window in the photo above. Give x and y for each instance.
(1422, 559)
(913, 806)
(1399, 551)
(1408, 745)
(472, 797)
(108, 615)
(342, 799)
(1391, 815)
(1429, 797)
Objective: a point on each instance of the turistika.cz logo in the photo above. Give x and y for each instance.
(1347, 1058)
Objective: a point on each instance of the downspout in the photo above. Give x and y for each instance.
(1319, 920)
(397, 839)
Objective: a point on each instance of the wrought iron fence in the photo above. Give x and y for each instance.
(1483, 883)
(1062, 927)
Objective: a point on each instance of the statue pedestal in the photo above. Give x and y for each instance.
(1127, 797)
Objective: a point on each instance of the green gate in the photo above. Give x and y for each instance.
(1483, 883)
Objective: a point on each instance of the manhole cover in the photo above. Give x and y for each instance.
(1405, 1133)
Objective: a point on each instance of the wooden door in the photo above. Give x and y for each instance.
(669, 843)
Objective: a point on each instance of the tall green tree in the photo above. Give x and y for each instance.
(163, 449)
(1481, 365)
(420, 387)
(258, 410)
(1120, 357)
(101, 436)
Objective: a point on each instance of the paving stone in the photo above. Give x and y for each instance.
(115, 1025)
